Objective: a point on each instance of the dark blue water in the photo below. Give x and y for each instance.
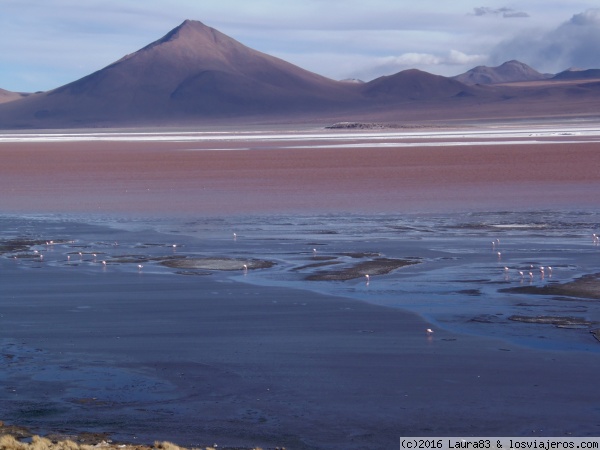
(91, 341)
(465, 262)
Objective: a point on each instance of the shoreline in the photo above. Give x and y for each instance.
(15, 437)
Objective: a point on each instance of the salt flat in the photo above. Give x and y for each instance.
(438, 134)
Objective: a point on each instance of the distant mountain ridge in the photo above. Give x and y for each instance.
(508, 72)
(578, 74)
(196, 75)
(414, 84)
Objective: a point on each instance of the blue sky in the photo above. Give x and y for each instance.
(47, 43)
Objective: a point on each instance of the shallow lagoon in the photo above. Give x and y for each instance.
(80, 299)
(457, 280)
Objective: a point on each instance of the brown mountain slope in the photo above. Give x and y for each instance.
(575, 74)
(9, 96)
(193, 71)
(414, 84)
(507, 72)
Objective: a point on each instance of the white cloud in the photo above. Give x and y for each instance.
(411, 59)
(366, 67)
(459, 58)
(416, 60)
(435, 63)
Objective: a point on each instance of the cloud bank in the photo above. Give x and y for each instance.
(507, 13)
(424, 61)
(572, 44)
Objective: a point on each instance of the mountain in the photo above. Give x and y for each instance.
(414, 84)
(577, 74)
(8, 96)
(195, 75)
(193, 71)
(510, 71)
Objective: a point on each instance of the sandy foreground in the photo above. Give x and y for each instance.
(333, 373)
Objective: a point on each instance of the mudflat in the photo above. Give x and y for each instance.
(240, 176)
